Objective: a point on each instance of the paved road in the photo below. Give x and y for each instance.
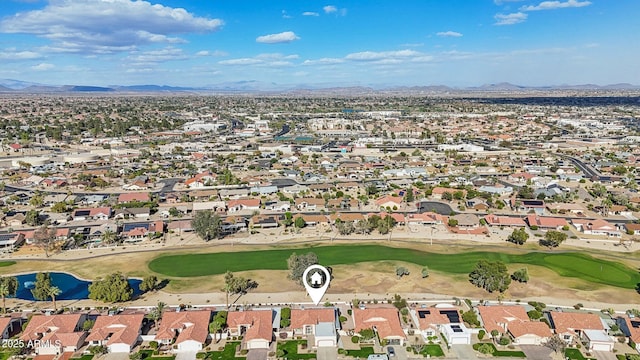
(465, 352)
(436, 206)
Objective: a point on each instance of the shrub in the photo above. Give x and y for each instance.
(486, 349)
(504, 341)
(481, 334)
(342, 318)
(355, 339)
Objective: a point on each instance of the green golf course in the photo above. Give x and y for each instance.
(568, 264)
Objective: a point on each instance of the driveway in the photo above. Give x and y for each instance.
(435, 206)
(464, 352)
(604, 355)
(257, 354)
(116, 356)
(186, 355)
(327, 353)
(401, 353)
(537, 352)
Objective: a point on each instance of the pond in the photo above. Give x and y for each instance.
(71, 287)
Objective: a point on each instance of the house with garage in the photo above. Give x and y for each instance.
(118, 333)
(570, 325)
(8, 325)
(497, 220)
(234, 206)
(383, 320)
(83, 214)
(320, 326)
(597, 340)
(309, 204)
(55, 334)
(597, 227)
(442, 318)
(426, 218)
(631, 328)
(512, 320)
(256, 327)
(187, 331)
(546, 222)
(134, 196)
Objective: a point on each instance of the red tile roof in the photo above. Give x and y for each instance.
(499, 317)
(53, 328)
(546, 222)
(385, 320)
(567, 322)
(496, 220)
(119, 329)
(139, 196)
(521, 328)
(259, 323)
(299, 318)
(190, 325)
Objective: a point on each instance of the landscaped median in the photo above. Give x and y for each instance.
(490, 349)
(567, 264)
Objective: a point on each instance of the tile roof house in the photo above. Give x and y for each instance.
(388, 201)
(135, 196)
(496, 220)
(569, 324)
(385, 321)
(513, 320)
(426, 218)
(256, 326)
(596, 227)
(186, 330)
(321, 323)
(546, 222)
(631, 328)
(101, 213)
(243, 204)
(443, 318)
(119, 333)
(7, 325)
(55, 333)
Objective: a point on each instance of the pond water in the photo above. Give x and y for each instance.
(71, 287)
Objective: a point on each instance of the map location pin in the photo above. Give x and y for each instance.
(316, 280)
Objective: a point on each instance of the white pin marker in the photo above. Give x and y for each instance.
(316, 279)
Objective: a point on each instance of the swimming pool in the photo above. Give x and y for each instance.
(70, 286)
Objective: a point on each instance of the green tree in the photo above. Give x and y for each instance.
(59, 207)
(521, 275)
(109, 237)
(491, 276)
(236, 285)
(452, 222)
(556, 343)
(288, 219)
(300, 223)
(41, 287)
(44, 237)
(408, 196)
(8, 287)
(156, 313)
(207, 224)
(553, 238)
(297, 264)
(401, 271)
(214, 328)
(518, 236)
(425, 272)
(113, 288)
(471, 318)
(149, 283)
(88, 324)
(32, 218)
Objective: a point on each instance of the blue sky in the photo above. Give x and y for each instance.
(322, 42)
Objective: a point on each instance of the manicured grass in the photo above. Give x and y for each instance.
(502, 353)
(7, 263)
(575, 354)
(84, 357)
(433, 350)
(568, 264)
(363, 353)
(291, 350)
(228, 353)
(4, 355)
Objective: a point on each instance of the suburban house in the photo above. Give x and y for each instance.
(438, 192)
(201, 180)
(466, 221)
(385, 321)
(8, 326)
(631, 328)
(312, 219)
(546, 222)
(118, 333)
(597, 340)
(135, 196)
(345, 217)
(132, 213)
(55, 333)
(496, 220)
(243, 204)
(513, 320)
(185, 330)
(256, 326)
(101, 213)
(11, 240)
(426, 218)
(309, 204)
(527, 205)
(135, 232)
(570, 325)
(389, 202)
(321, 323)
(442, 318)
(596, 227)
(631, 228)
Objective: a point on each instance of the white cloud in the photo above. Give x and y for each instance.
(329, 9)
(500, 2)
(323, 61)
(285, 15)
(156, 56)
(552, 5)
(42, 67)
(241, 61)
(310, 13)
(449, 34)
(277, 56)
(13, 54)
(283, 37)
(412, 45)
(375, 56)
(216, 53)
(510, 19)
(103, 26)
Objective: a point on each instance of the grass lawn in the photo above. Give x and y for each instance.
(568, 264)
(291, 350)
(6, 263)
(4, 355)
(503, 353)
(363, 353)
(433, 350)
(229, 352)
(574, 354)
(83, 357)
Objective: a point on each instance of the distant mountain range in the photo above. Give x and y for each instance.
(252, 86)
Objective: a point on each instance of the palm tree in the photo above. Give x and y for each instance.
(108, 236)
(54, 291)
(156, 313)
(4, 291)
(214, 327)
